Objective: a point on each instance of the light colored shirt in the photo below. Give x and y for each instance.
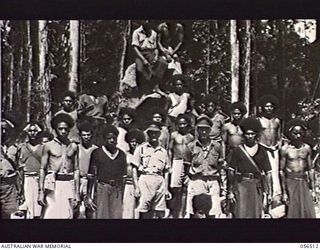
(141, 40)
(152, 160)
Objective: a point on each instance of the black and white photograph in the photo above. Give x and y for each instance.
(160, 119)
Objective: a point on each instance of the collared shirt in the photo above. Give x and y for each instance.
(61, 158)
(152, 160)
(30, 157)
(140, 39)
(204, 158)
(8, 157)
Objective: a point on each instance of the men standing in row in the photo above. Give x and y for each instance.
(59, 173)
(30, 161)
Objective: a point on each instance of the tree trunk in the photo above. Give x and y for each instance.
(43, 73)
(11, 83)
(234, 44)
(29, 73)
(74, 54)
(208, 58)
(247, 64)
(126, 36)
(1, 82)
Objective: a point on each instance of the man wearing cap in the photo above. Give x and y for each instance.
(108, 165)
(204, 156)
(10, 178)
(249, 175)
(59, 172)
(30, 161)
(153, 166)
(69, 107)
(270, 137)
(232, 134)
(295, 168)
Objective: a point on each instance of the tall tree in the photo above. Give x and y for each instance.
(235, 54)
(247, 63)
(126, 36)
(29, 73)
(74, 54)
(44, 76)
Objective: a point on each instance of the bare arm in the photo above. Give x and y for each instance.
(311, 169)
(170, 149)
(77, 174)
(283, 160)
(43, 169)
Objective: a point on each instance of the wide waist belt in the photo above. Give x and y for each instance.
(112, 182)
(30, 174)
(64, 177)
(204, 177)
(8, 179)
(297, 176)
(152, 174)
(250, 176)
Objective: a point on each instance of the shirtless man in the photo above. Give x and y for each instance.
(85, 150)
(270, 137)
(59, 172)
(294, 165)
(232, 134)
(178, 143)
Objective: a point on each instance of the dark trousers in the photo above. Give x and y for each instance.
(8, 197)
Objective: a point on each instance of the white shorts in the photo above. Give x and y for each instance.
(212, 188)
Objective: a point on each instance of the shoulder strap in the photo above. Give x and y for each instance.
(250, 158)
(32, 153)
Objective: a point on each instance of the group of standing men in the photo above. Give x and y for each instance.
(185, 158)
(184, 161)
